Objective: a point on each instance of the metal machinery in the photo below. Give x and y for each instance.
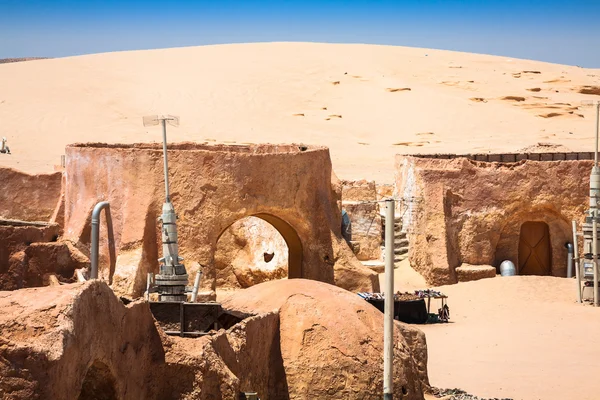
(172, 311)
(586, 265)
(171, 281)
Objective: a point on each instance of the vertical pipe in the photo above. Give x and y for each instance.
(595, 257)
(388, 324)
(576, 260)
(569, 247)
(166, 167)
(597, 129)
(196, 286)
(95, 239)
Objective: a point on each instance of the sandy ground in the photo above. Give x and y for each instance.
(518, 337)
(365, 102)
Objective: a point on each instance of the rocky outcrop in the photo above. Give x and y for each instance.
(30, 254)
(74, 341)
(332, 341)
(467, 211)
(297, 339)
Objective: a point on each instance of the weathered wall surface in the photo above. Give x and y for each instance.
(306, 339)
(471, 212)
(29, 197)
(250, 251)
(365, 232)
(331, 342)
(55, 342)
(29, 254)
(212, 187)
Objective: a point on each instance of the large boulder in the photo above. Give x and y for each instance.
(332, 341)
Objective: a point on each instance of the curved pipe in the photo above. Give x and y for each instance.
(104, 205)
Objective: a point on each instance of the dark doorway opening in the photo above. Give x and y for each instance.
(99, 383)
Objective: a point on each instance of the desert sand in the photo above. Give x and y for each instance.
(521, 337)
(365, 102)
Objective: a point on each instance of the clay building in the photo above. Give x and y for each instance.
(484, 209)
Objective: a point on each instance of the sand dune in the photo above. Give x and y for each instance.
(360, 100)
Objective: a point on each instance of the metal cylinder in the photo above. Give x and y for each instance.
(569, 247)
(576, 259)
(507, 268)
(196, 286)
(95, 239)
(388, 324)
(166, 166)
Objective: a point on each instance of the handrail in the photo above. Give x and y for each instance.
(95, 239)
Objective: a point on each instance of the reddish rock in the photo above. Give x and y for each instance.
(468, 272)
(332, 341)
(60, 342)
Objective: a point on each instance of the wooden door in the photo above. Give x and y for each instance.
(535, 253)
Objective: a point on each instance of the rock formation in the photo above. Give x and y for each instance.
(332, 341)
(298, 339)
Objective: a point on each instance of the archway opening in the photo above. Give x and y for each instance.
(535, 249)
(99, 383)
(257, 249)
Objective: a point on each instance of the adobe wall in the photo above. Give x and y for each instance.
(459, 210)
(29, 197)
(358, 199)
(212, 186)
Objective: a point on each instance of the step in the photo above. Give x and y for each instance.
(400, 257)
(401, 242)
(401, 250)
(400, 235)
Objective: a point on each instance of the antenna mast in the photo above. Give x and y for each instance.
(172, 280)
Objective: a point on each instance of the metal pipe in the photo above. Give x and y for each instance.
(95, 239)
(597, 129)
(595, 257)
(164, 126)
(569, 247)
(576, 257)
(196, 286)
(388, 320)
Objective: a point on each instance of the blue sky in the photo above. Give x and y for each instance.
(555, 31)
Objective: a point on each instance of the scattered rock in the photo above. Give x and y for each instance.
(468, 272)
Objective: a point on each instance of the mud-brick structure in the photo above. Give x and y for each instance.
(212, 187)
(359, 200)
(484, 209)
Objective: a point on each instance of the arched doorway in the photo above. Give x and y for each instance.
(256, 249)
(99, 383)
(535, 249)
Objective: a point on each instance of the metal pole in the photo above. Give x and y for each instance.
(196, 286)
(95, 239)
(576, 260)
(597, 129)
(595, 257)
(388, 321)
(164, 126)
